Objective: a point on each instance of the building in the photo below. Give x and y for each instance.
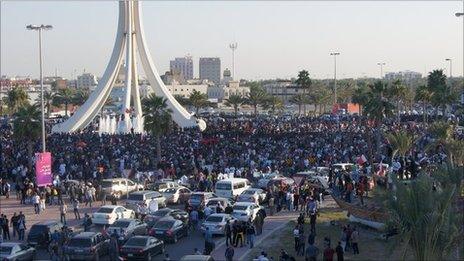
(226, 77)
(282, 89)
(210, 69)
(183, 66)
(86, 81)
(220, 93)
(404, 76)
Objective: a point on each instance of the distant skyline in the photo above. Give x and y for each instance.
(275, 39)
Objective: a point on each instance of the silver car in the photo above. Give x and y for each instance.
(139, 197)
(16, 251)
(216, 223)
(119, 187)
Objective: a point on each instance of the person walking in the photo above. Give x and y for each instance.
(339, 250)
(229, 254)
(228, 233)
(328, 253)
(114, 248)
(87, 222)
(354, 241)
(36, 202)
(296, 237)
(301, 244)
(76, 209)
(312, 221)
(63, 211)
(208, 241)
(42, 203)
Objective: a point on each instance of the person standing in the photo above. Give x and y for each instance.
(250, 233)
(42, 203)
(328, 253)
(354, 241)
(312, 221)
(229, 254)
(339, 250)
(14, 224)
(63, 211)
(6, 228)
(271, 206)
(311, 252)
(114, 248)
(296, 237)
(76, 209)
(21, 226)
(87, 222)
(208, 241)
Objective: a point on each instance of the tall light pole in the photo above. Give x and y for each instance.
(40, 28)
(334, 54)
(450, 66)
(233, 47)
(381, 69)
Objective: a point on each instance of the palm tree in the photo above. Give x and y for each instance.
(157, 119)
(48, 100)
(16, 98)
(26, 127)
(304, 82)
(424, 214)
(80, 97)
(235, 101)
(442, 94)
(397, 91)
(273, 103)
(401, 143)
(180, 99)
(300, 100)
(361, 97)
(424, 95)
(257, 96)
(64, 97)
(198, 100)
(442, 132)
(378, 106)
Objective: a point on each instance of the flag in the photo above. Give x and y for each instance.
(361, 160)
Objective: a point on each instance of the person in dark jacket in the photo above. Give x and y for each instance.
(228, 233)
(339, 251)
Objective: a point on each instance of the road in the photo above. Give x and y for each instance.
(9, 206)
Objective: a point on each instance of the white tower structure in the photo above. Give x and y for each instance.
(233, 47)
(130, 40)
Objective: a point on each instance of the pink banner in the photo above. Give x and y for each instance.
(43, 169)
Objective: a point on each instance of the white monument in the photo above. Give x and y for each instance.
(130, 40)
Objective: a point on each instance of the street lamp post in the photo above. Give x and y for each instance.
(381, 69)
(450, 66)
(40, 28)
(334, 54)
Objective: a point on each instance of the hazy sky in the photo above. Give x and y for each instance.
(275, 39)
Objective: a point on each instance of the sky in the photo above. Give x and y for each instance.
(275, 39)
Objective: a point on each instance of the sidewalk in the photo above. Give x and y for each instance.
(271, 224)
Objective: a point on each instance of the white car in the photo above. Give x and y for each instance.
(245, 211)
(216, 223)
(263, 182)
(107, 215)
(254, 195)
(176, 195)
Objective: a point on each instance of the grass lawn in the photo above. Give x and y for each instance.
(371, 246)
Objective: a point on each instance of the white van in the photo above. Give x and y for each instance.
(230, 188)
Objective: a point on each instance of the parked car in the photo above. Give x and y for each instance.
(255, 195)
(198, 199)
(342, 166)
(107, 215)
(142, 248)
(169, 229)
(139, 197)
(151, 219)
(212, 202)
(197, 258)
(127, 227)
(279, 182)
(177, 195)
(217, 223)
(86, 246)
(119, 187)
(264, 181)
(162, 185)
(245, 211)
(16, 251)
(38, 229)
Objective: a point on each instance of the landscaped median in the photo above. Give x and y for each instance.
(329, 224)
